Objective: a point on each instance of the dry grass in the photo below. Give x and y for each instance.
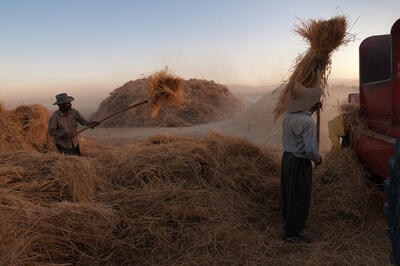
(48, 177)
(324, 37)
(10, 133)
(180, 200)
(205, 102)
(353, 123)
(342, 181)
(166, 88)
(24, 128)
(62, 233)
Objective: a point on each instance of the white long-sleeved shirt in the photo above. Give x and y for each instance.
(59, 124)
(299, 135)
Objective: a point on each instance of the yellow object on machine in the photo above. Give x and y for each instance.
(336, 130)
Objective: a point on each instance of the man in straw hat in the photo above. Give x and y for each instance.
(63, 125)
(300, 148)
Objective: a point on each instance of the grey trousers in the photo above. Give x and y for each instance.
(296, 178)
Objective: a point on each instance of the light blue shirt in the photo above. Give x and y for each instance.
(299, 135)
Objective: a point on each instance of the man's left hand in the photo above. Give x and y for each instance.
(94, 124)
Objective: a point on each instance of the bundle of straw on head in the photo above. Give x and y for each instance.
(324, 37)
(165, 89)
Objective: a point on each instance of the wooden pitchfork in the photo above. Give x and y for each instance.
(114, 114)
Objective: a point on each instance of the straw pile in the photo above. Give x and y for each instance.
(179, 200)
(24, 128)
(354, 125)
(324, 37)
(350, 224)
(48, 177)
(10, 133)
(34, 121)
(60, 234)
(184, 200)
(205, 101)
(342, 181)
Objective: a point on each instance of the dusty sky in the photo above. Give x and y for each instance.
(87, 48)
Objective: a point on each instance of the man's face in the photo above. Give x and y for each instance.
(65, 106)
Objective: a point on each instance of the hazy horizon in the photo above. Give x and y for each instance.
(88, 102)
(89, 48)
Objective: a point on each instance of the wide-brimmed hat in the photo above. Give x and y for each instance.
(63, 98)
(303, 98)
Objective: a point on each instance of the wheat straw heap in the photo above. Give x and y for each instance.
(324, 37)
(25, 127)
(165, 89)
(194, 101)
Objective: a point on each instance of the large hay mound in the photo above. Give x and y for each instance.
(205, 101)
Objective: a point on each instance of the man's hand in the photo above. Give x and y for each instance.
(68, 136)
(319, 162)
(94, 124)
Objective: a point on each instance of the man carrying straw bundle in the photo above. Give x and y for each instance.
(63, 125)
(298, 100)
(300, 146)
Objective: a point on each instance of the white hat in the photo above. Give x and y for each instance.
(303, 98)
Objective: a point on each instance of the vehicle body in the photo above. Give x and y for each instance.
(379, 99)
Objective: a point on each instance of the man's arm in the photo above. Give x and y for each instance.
(81, 120)
(310, 142)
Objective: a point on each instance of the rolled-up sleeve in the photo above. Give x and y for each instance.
(81, 120)
(310, 141)
(53, 128)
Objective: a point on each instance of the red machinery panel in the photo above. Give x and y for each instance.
(376, 99)
(375, 79)
(375, 153)
(395, 32)
(380, 97)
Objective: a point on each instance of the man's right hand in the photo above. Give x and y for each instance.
(68, 136)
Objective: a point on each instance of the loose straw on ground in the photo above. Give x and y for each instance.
(324, 37)
(180, 200)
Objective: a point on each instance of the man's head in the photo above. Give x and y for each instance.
(64, 101)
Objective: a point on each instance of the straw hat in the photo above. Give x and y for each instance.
(63, 98)
(303, 98)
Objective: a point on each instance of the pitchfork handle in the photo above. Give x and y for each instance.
(318, 129)
(114, 114)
